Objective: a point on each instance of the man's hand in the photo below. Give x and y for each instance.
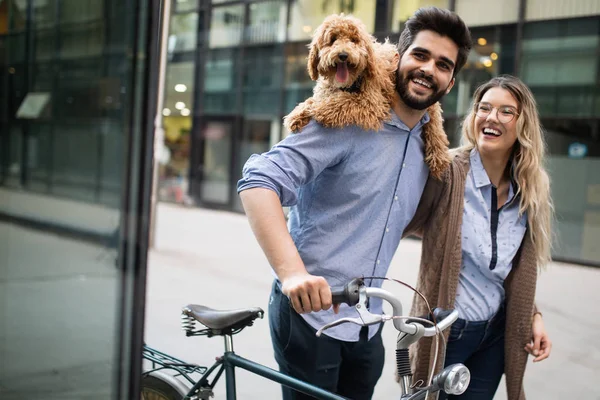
(307, 292)
(540, 345)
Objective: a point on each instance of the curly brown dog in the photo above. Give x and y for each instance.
(355, 85)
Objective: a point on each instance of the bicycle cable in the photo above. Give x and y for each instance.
(434, 323)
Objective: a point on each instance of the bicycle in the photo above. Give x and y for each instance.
(157, 384)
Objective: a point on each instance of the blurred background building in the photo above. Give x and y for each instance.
(237, 67)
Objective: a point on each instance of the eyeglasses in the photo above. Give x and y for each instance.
(505, 114)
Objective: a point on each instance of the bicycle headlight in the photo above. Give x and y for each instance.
(454, 379)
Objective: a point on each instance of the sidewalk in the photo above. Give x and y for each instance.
(211, 258)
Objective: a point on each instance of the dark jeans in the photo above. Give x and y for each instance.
(350, 369)
(480, 346)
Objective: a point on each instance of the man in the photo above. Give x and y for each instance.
(351, 194)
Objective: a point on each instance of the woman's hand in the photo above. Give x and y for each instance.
(540, 345)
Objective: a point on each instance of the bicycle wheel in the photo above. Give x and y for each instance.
(155, 388)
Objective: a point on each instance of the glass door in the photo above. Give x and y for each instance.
(73, 262)
(212, 160)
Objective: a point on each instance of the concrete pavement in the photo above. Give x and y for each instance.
(211, 258)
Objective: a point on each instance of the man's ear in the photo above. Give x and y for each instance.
(451, 85)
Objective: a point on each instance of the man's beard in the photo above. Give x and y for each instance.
(413, 102)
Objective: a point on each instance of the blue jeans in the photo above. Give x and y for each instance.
(350, 369)
(480, 346)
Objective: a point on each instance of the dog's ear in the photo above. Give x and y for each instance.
(313, 61)
(372, 69)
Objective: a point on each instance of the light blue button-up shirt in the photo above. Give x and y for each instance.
(490, 241)
(351, 193)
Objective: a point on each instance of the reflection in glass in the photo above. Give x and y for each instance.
(560, 64)
(266, 22)
(80, 11)
(216, 162)
(298, 84)
(185, 5)
(61, 286)
(262, 80)
(226, 26)
(183, 34)
(308, 14)
(220, 81)
(177, 122)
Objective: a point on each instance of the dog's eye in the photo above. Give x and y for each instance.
(354, 40)
(333, 39)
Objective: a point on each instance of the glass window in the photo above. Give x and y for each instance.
(78, 11)
(183, 32)
(573, 166)
(185, 5)
(177, 122)
(403, 10)
(226, 26)
(488, 12)
(17, 16)
(552, 9)
(175, 161)
(44, 13)
(179, 89)
(39, 154)
(75, 155)
(16, 47)
(216, 158)
(262, 76)
(81, 40)
(220, 81)
(66, 290)
(45, 45)
(266, 22)
(307, 15)
(560, 64)
(298, 85)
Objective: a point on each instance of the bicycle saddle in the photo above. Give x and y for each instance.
(223, 319)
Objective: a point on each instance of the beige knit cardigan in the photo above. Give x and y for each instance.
(438, 219)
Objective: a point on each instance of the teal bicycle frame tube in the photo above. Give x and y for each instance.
(232, 360)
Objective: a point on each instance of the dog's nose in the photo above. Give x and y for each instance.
(343, 56)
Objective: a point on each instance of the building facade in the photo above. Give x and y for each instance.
(236, 68)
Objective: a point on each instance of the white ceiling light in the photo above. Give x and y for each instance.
(166, 112)
(180, 87)
(185, 112)
(180, 105)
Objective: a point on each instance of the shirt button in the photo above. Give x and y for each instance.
(387, 229)
(378, 261)
(396, 198)
(403, 165)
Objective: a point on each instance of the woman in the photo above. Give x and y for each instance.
(487, 232)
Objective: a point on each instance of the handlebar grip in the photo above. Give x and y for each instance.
(348, 293)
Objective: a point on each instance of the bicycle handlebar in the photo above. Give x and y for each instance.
(355, 293)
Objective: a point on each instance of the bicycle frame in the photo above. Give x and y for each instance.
(227, 363)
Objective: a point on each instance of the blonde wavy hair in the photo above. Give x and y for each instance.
(527, 161)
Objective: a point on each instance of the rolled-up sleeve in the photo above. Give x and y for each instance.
(295, 161)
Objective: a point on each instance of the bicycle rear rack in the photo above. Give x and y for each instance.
(162, 361)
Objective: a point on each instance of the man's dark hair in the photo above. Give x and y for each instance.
(444, 23)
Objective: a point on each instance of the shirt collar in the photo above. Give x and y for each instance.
(479, 175)
(397, 122)
(481, 178)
